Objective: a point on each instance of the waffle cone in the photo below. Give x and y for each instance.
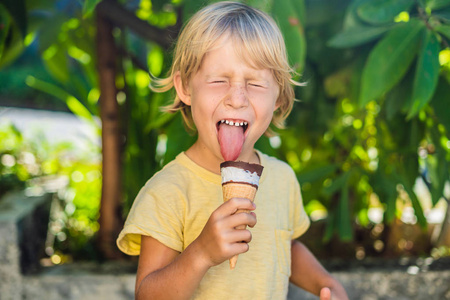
(238, 190)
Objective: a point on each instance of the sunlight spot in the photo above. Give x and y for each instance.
(142, 79)
(93, 96)
(77, 176)
(73, 23)
(444, 57)
(402, 17)
(375, 214)
(161, 146)
(293, 160)
(357, 124)
(56, 259)
(49, 52)
(121, 97)
(347, 107)
(79, 55)
(275, 142)
(306, 155)
(29, 38)
(413, 270)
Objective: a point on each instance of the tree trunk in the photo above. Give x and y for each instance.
(444, 236)
(110, 217)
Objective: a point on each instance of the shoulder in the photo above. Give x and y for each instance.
(276, 167)
(171, 177)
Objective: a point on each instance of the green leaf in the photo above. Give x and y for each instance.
(391, 207)
(300, 9)
(399, 96)
(427, 73)
(155, 60)
(386, 190)
(443, 14)
(177, 138)
(316, 173)
(441, 103)
(390, 59)
(443, 29)
(159, 122)
(158, 5)
(418, 211)
(264, 5)
(50, 30)
(356, 36)
(56, 62)
(18, 12)
(344, 219)
(383, 11)
(330, 228)
(293, 31)
(437, 167)
(437, 4)
(5, 23)
(72, 103)
(355, 80)
(351, 18)
(337, 184)
(89, 7)
(13, 48)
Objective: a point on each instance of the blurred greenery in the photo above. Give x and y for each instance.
(372, 118)
(32, 162)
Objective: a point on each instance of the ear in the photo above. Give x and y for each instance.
(182, 93)
(277, 104)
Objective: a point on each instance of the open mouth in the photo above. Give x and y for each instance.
(242, 124)
(231, 136)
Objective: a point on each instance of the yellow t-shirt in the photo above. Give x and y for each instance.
(175, 204)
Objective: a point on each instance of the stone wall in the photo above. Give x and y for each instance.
(115, 281)
(22, 238)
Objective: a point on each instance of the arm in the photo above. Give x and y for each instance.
(308, 274)
(164, 273)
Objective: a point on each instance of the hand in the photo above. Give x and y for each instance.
(325, 294)
(220, 239)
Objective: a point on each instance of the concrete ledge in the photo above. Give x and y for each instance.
(387, 285)
(115, 281)
(86, 287)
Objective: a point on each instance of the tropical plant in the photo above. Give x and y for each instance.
(371, 120)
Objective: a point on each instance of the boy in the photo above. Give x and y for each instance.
(232, 80)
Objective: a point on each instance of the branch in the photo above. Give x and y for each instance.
(121, 17)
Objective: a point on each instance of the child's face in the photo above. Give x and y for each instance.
(228, 88)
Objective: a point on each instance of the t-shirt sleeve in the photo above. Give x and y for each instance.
(157, 212)
(300, 218)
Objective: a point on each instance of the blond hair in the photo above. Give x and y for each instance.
(255, 34)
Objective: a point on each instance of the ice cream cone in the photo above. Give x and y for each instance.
(239, 180)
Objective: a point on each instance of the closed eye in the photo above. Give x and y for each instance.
(256, 85)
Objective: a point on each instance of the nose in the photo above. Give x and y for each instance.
(237, 97)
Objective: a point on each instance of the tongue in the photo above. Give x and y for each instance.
(231, 139)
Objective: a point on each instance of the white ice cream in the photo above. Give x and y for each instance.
(233, 174)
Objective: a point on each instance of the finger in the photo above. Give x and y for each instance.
(241, 220)
(238, 248)
(239, 236)
(234, 204)
(325, 294)
(256, 220)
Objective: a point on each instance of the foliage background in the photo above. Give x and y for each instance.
(372, 119)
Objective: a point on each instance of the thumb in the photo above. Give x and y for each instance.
(325, 294)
